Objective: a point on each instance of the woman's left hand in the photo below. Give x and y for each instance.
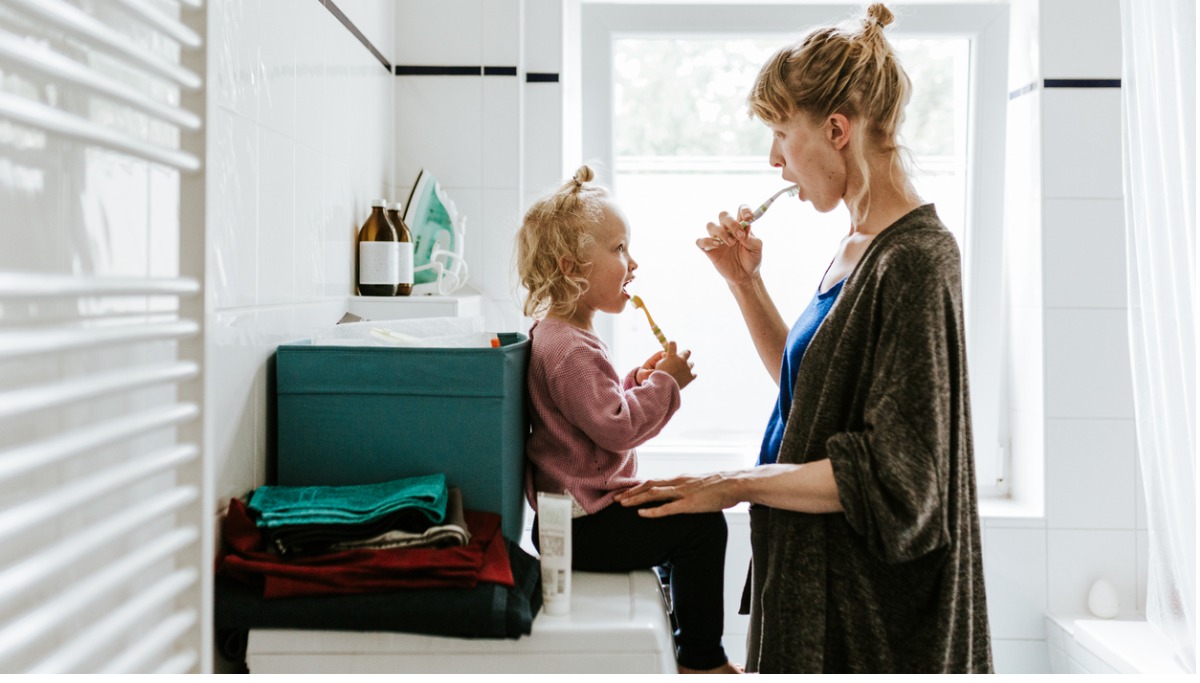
(690, 493)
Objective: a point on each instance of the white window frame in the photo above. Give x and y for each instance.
(986, 27)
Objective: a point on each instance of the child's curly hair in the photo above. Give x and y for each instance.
(558, 225)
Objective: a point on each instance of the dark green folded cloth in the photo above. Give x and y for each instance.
(283, 505)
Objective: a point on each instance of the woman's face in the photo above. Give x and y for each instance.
(612, 266)
(807, 154)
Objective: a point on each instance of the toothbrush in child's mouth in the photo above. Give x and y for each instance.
(662, 339)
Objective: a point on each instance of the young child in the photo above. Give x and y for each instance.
(573, 260)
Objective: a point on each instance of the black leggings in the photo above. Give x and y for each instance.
(692, 546)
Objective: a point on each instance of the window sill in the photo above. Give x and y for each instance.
(1022, 512)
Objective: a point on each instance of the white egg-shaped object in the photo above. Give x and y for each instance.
(1103, 601)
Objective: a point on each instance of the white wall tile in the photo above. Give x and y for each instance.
(340, 231)
(339, 88)
(233, 403)
(232, 265)
(313, 104)
(1090, 474)
(1080, 38)
(543, 131)
(277, 65)
(1084, 253)
(438, 128)
(235, 79)
(1087, 364)
(1081, 143)
(276, 218)
(501, 132)
(309, 261)
(543, 44)
(1015, 572)
(501, 44)
(444, 33)
(1077, 558)
(502, 314)
(496, 232)
(1020, 657)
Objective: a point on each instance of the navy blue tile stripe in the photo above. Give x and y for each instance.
(421, 70)
(1082, 83)
(404, 70)
(1066, 83)
(337, 12)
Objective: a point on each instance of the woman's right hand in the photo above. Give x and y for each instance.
(733, 250)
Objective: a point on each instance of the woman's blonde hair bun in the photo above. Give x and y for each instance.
(879, 14)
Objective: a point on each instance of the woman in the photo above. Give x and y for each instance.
(864, 528)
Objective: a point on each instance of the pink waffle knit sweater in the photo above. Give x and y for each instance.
(586, 421)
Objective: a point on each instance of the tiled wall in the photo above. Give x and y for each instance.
(1070, 388)
(301, 140)
(478, 105)
(299, 143)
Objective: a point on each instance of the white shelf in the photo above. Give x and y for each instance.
(424, 306)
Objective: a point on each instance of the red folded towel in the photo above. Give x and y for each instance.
(244, 558)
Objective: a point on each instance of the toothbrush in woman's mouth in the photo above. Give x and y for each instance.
(790, 191)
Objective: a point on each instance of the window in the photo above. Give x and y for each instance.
(679, 148)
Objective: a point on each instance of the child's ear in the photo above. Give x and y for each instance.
(566, 265)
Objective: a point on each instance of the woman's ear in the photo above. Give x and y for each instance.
(837, 129)
(566, 265)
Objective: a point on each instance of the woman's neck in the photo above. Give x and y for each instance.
(890, 200)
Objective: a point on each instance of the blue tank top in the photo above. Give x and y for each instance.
(797, 343)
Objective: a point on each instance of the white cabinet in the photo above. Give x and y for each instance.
(403, 307)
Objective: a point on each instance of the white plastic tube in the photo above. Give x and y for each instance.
(554, 544)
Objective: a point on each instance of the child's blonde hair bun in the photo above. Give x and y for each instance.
(558, 225)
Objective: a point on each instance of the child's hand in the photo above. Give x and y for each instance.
(678, 365)
(648, 367)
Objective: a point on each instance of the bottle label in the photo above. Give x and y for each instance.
(406, 263)
(378, 263)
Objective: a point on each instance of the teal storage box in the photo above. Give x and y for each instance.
(366, 414)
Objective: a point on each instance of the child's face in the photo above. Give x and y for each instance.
(612, 266)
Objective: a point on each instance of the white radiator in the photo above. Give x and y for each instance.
(105, 556)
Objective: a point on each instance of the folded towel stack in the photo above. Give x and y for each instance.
(312, 557)
(283, 505)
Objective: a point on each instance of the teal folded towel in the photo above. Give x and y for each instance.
(282, 505)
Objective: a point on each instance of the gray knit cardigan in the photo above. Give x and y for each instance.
(895, 583)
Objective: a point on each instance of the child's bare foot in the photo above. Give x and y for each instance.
(726, 668)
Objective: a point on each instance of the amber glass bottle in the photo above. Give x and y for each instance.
(378, 254)
(404, 236)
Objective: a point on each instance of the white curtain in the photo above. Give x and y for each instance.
(1159, 134)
